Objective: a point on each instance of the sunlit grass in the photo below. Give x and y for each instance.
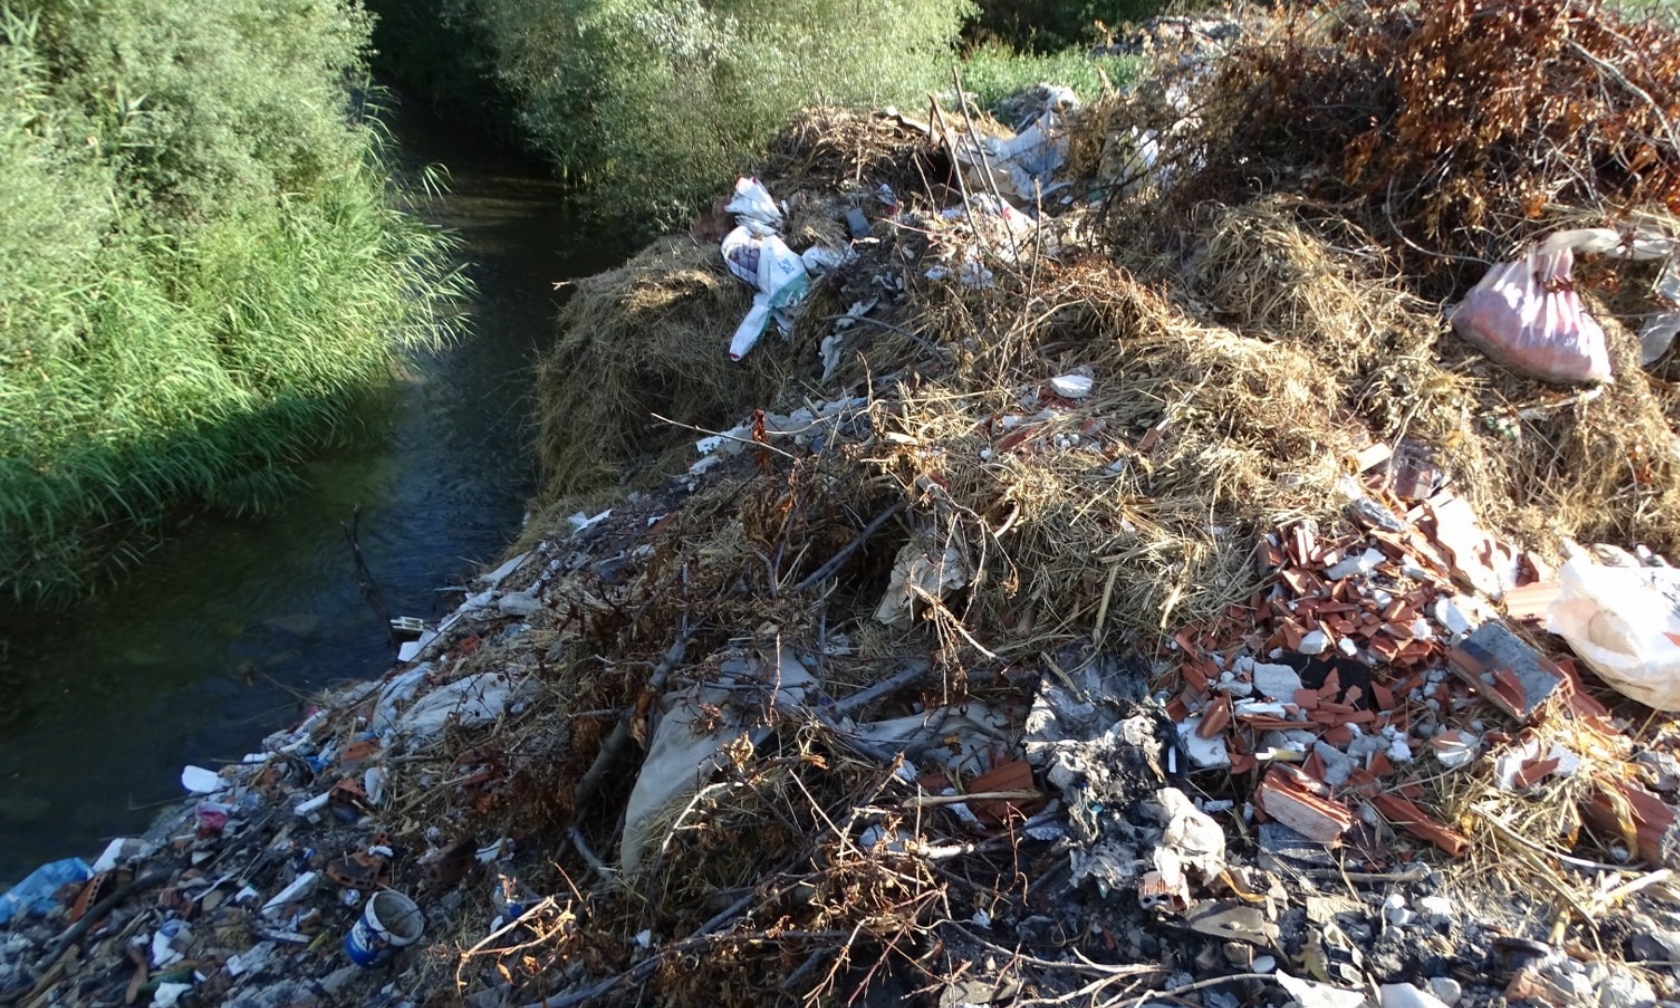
(181, 321)
(994, 72)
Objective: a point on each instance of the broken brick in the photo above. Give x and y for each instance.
(1288, 796)
(1529, 678)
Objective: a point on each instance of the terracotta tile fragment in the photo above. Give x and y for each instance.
(1625, 809)
(1216, 717)
(1288, 796)
(1016, 775)
(1414, 820)
(1384, 647)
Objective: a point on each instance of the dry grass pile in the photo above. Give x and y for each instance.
(646, 341)
(642, 340)
(1245, 328)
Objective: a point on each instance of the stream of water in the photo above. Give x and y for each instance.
(206, 648)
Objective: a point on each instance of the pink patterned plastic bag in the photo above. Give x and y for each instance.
(1527, 316)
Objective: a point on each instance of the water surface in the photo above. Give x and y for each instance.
(206, 648)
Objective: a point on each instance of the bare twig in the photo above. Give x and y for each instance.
(641, 970)
(1191, 988)
(907, 334)
(835, 562)
(620, 737)
(881, 690)
(599, 867)
(922, 801)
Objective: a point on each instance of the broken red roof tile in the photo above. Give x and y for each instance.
(1414, 820)
(1290, 797)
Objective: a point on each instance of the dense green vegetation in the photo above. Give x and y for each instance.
(994, 71)
(201, 264)
(651, 106)
(1050, 27)
(652, 103)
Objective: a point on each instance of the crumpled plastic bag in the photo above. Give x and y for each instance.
(1526, 316)
(779, 274)
(920, 573)
(752, 205)
(35, 894)
(1624, 622)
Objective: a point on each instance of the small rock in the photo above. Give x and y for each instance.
(335, 982)
(1448, 990)
(1396, 912)
(1071, 386)
(1622, 989)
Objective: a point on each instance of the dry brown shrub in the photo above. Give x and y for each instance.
(1459, 121)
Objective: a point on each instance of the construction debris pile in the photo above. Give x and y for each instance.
(1083, 561)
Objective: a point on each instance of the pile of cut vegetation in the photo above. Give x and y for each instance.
(1033, 441)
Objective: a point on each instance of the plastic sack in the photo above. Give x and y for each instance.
(1020, 167)
(35, 894)
(775, 270)
(1624, 622)
(1659, 330)
(752, 201)
(1527, 317)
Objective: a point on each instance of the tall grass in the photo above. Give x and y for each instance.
(651, 105)
(201, 266)
(994, 72)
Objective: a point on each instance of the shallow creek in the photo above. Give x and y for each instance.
(208, 646)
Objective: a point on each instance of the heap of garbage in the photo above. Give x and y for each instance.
(1204, 546)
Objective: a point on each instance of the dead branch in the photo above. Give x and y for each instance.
(620, 737)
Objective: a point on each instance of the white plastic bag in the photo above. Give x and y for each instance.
(1659, 330)
(1526, 316)
(1624, 622)
(778, 274)
(752, 201)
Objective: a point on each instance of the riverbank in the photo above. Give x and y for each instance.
(1120, 585)
(207, 270)
(207, 645)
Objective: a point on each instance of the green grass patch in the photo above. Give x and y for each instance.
(994, 72)
(201, 266)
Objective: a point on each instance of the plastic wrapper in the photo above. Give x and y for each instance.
(1624, 622)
